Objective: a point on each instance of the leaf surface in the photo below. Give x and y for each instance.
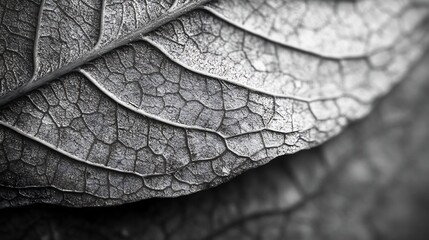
(370, 182)
(165, 98)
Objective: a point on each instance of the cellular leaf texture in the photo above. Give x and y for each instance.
(105, 102)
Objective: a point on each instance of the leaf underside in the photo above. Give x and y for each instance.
(368, 183)
(107, 102)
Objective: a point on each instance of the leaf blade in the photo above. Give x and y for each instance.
(149, 119)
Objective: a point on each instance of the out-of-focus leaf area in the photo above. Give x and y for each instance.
(370, 182)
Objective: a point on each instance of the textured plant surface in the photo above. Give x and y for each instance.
(368, 183)
(107, 102)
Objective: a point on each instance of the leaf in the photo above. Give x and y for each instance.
(165, 98)
(369, 182)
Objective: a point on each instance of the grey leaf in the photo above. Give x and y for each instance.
(165, 98)
(368, 183)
